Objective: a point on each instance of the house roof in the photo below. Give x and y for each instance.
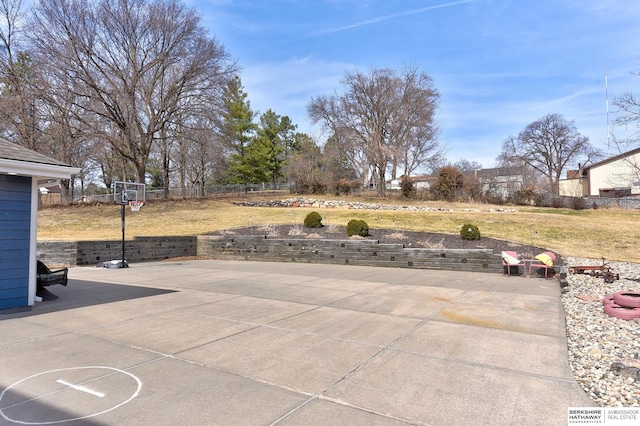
(18, 160)
(12, 151)
(423, 178)
(612, 159)
(497, 171)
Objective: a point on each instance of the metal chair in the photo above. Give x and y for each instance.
(545, 261)
(511, 259)
(47, 277)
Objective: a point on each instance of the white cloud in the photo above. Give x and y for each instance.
(393, 16)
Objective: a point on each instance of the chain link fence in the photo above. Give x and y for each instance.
(57, 198)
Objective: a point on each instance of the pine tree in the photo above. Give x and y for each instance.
(268, 151)
(238, 131)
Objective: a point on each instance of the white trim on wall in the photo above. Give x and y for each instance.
(33, 243)
(24, 168)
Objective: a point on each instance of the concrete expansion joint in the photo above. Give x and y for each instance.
(487, 366)
(378, 413)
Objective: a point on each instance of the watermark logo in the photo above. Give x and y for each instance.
(620, 416)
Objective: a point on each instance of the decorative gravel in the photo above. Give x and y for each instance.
(357, 205)
(604, 352)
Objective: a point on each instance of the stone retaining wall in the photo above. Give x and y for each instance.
(140, 249)
(57, 253)
(263, 248)
(346, 252)
(625, 203)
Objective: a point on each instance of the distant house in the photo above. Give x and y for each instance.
(617, 176)
(573, 185)
(51, 189)
(498, 182)
(50, 194)
(419, 182)
(21, 173)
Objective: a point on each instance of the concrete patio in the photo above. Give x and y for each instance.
(250, 343)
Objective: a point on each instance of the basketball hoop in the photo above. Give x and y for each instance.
(135, 205)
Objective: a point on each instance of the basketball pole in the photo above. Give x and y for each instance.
(121, 195)
(123, 204)
(122, 213)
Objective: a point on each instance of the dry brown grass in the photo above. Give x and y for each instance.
(398, 236)
(434, 243)
(610, 233)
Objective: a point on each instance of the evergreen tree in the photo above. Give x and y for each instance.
(238, 130)
(268, 152)
(449, 184)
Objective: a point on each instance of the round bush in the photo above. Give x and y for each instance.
(357, 227)
(470, 232)
(313, 220)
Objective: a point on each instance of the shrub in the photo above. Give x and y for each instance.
(406, 185)
(302, 187)
(470, 232)
(557, 203)
(313, 220)
(578, 203)
(538, 200)
(494, 199)
(449, 184)
(343, 186)
(357, 227)
(524, 197)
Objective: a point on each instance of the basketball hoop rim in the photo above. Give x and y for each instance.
(135, 205)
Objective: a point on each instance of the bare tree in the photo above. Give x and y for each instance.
(203, 153)
(305, 165)
(388, 117)
(628, 115)
(415, 125)
(68, 138)
(30, 115)
(532, 179)
(466, 166)
(137, 62)
(21, 81)
(548, 145)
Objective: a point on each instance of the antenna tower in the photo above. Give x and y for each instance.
(606, 91)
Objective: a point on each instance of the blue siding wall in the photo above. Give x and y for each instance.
(15, 230)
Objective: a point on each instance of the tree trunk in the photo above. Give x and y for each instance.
(165, 173)
(141, 169)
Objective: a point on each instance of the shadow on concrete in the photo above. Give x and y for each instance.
(17, 408)
(78, 294)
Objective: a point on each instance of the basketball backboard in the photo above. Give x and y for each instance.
(126, 192)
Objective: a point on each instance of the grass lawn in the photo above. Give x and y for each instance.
(609, 233)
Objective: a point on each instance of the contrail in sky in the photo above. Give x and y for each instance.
(393, 16)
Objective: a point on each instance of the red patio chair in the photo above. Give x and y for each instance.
(545, 261)
(511, 259)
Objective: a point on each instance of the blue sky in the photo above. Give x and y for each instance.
(498, 64)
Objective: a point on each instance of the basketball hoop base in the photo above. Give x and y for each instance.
(113, 264)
